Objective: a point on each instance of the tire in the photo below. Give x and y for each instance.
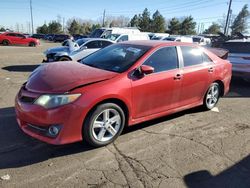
(212, 96)
(64, 58)
(104, 124)
(5, 42)
(32, 44)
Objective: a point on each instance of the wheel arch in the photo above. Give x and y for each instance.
(116, 101)
(222, 87)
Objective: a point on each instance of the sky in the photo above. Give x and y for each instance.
(16, 13)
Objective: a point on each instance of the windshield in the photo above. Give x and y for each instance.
(170, 39)
(112, 37)
(96, 33)
(116, 58)
(196, 39)
(81, 41)
(156, 38)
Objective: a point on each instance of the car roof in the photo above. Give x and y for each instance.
(238, 40)
(156, 43)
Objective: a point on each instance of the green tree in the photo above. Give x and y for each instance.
(174, 26)
(2, 29)
(42, 29)
(95, 26)
(158, 23)
(55, 27)
(213, 29)
(74, 27)
(240, 22)
(188, 26)
(145, 21)
(135, 21)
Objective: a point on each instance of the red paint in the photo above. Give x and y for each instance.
(14, 40)
(146, 98)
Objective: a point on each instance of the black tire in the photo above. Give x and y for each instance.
(88, 134)
(32, 44)
(5, 42)
(64, 58)
(214, 97)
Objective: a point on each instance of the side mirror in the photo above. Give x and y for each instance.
(145, 69)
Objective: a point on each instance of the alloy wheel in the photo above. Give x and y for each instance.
(106, 125)
(212, 96)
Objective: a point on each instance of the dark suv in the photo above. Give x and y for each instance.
(61, 38)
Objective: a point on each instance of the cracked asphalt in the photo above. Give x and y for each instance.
(193, 149)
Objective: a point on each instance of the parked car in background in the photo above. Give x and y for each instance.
(49, 37)
(159, 36)
(61, 37)
(203, 41)
(78, 36)
(121, 85)
(118, 30)
(239, 56)
(38, 36)
(76, 50)
(127, 37)
(174, 38)
(12, 38)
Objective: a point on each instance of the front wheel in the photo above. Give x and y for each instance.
(212, 96)
(104, 124)
(64, 58)
(5, 42)
(32, 44)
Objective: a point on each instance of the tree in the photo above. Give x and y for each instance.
(240, 22)
(158, 23)
(188, 26)
(42, 29)
(74, 27)
(174, 26)
(55, 27)
(213, 29)
(145, 21)
(2, 29)
(135, 21)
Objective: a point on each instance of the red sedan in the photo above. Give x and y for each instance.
(121, 85)
(10, 38)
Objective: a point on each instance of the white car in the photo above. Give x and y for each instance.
(203, 41)
(76, 50)
(239, 56)
(174, 38)
(127, 37)
(159, 36)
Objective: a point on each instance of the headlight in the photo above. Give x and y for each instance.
(52, 101)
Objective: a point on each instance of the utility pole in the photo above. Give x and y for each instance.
(228, 13)
(31, 16)
(63, 24)
(229, 21)
(103, 18)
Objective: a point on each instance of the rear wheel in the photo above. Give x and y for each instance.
(64, 58)
(212, 96)
(5, 42)
(104, 124)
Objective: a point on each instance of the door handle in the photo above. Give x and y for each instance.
(211, 69)
(177, 77)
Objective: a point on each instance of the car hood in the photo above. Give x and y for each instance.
(60, 77)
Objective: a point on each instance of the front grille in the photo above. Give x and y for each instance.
(26, 99)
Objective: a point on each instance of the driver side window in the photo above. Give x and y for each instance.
(163, 59)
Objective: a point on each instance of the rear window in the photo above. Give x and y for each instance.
(237, 47)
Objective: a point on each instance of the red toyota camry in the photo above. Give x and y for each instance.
(120, 85)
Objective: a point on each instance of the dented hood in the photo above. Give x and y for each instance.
(60, 77)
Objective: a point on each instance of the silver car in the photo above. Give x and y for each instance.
(75, 50)
(239, 56)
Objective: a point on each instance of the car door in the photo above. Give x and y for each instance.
(196, 72)
(159, 91)
(12, 38)
(21, 39)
